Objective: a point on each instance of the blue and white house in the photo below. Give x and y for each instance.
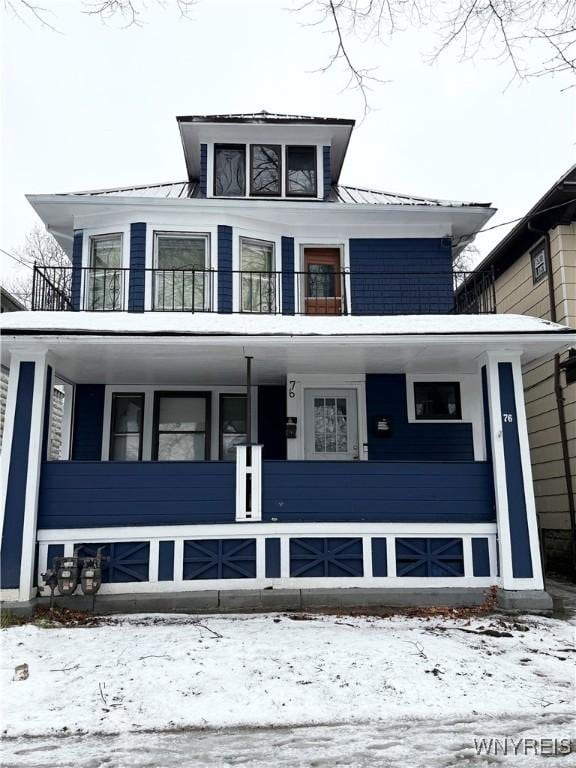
(271, 385)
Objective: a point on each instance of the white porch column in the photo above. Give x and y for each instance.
(518, 549)
(24, 446)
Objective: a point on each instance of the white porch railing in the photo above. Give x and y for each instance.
(248, 483)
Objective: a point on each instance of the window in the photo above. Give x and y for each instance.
(229, 170)
(181, 281)
(539, 263)
(105, 283)
(126, 427)
(265, 169)
(180, 426)
(301, 171)
(437, 401)
(233, 425)
(257, 276)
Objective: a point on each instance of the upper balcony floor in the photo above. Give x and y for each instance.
(145, 267)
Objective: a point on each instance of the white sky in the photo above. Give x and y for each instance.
(95, 106)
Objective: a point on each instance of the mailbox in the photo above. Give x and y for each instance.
(382, 426)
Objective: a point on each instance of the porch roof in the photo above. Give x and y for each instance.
(181, 348)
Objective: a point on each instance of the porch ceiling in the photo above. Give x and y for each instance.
(213, 360)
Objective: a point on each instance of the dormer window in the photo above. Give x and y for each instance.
(229, 170)
(301, 171)
(265, 169)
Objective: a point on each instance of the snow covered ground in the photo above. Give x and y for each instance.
(388, 684)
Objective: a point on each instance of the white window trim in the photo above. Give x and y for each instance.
(300, 244)
(89, 234)
(238, 235)
(210, 165)
(148, 420)
(297, 383)
(152, 229)
(470, 404)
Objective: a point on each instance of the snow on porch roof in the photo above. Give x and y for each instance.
(212, 324)
(339, 193)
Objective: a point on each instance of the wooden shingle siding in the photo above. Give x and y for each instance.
(118, 493)
(373, 491)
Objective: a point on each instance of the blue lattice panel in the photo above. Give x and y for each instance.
(429, 557)
(126, 560)
(326, 557)
(220, 559)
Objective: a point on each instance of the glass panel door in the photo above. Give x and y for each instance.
(322, 281)
(181, 426)
(331, 424)
(105, 284)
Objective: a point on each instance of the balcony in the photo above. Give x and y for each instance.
(386, 292)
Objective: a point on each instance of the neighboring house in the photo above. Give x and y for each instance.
(535, 270)
(275, 388)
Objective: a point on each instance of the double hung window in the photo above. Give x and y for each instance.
(181, 280)
(257, 276)
(104, 288)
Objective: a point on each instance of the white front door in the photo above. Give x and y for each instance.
(331, 424)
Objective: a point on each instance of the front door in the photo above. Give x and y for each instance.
(323, 281)
(331, 424)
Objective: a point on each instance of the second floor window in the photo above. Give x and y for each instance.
(257, 277)
(181, 280)
(265, 169)
(301, 171)
(229, 170)
(104, 288)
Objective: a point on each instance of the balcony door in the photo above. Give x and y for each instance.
(181, 426)
(331, 424)
(322, 281)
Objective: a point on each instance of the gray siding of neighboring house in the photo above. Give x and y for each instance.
(516, 293)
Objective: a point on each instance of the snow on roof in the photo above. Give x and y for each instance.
(264, 116)
(205, 323)
(339, 193)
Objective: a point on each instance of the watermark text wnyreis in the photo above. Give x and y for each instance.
(523, 747)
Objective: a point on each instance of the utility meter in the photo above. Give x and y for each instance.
(91, 575)
(67, 575)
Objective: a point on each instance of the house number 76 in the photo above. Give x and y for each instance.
(508, 418)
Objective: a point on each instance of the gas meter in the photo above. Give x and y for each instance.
(67, 574)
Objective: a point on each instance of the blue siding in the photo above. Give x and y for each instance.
(203, 170)
(273, 558)
(486, 407)
(47, 407)
(480, 557)
(387, 276)
(110, 493)
(124, 561)
(136, 286)
(520, 540)
(17, 476)
(220, 559)
(429, 557)
(326, 557)
(372, 491)
(287, 275)
(386, 396)
(327, 173)
(166, 561)
(224, 269)
(379, 557)
(88, 422)
(76, 291)
(54, 550)
(272, 421)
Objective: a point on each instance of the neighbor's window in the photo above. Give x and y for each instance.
(105, 282)
(233, 425)
(301, 171)
(257, 276)
(437, 400)
(229, 170)
(181, 281)
(126, 427)
(265, 169)
(539, 263)
(570, 367)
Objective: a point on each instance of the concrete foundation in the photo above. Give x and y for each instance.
(261, 601)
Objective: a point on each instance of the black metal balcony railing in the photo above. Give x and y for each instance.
(101, 289)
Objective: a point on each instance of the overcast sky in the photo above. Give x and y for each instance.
(94, 106)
